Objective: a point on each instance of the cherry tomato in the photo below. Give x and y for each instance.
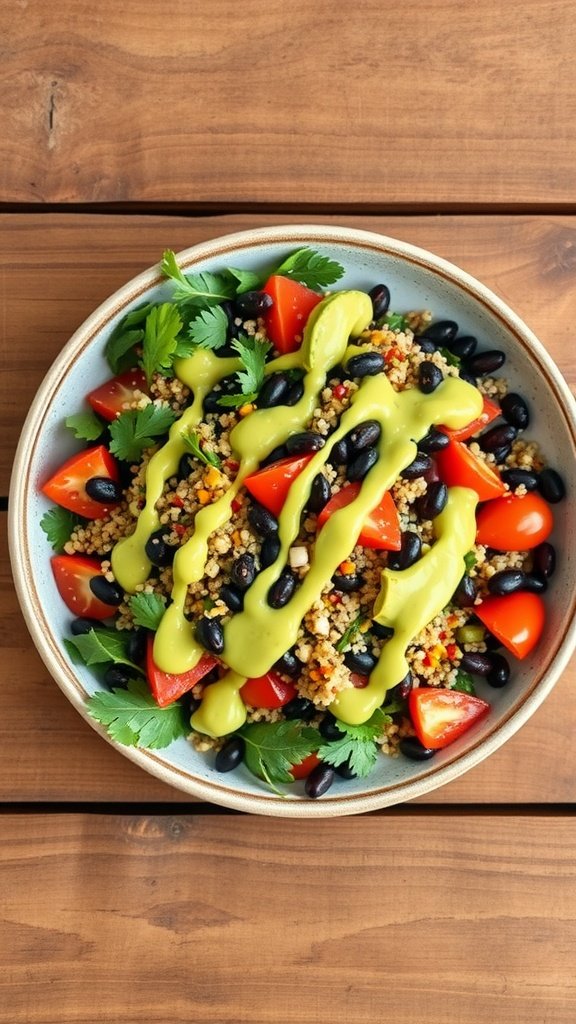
(515, 522)
(490, 412)
(440, 716)
(517, 620)
(459, 467)
(72, 574)
(111, 397)
(67, 487)
(286, 319)
(270, 485)
(269, 691)
(166, 687)
(302, 770)
(381, 529)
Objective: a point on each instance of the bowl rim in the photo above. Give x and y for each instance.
(218, 791)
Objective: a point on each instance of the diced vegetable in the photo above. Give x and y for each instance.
(286, 319)
(270, 486)
(459, 467)
(112, 397)
(381, 529)
(489, 413)
(440, 716)
(166, 687)
(517, 620)
(515, 522)
(67, 487)
(268, 691)
(73, 574)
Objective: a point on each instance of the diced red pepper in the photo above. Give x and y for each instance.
(270, 486)
(381, 529)
(489, 413)
(286, 319)
(166, 687)
(268, 691)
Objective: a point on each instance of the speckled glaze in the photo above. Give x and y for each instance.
(417, 280)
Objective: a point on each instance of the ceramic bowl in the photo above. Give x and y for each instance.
(417, 280)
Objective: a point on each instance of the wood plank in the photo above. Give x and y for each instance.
(228, 103)
(108, 919)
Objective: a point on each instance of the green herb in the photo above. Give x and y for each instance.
(272, 748)
(122, 340)
(147, 609)
(395, 322)
(252, 352)
(192, 442)
(163, 325)
(132, 717)
(357, 747)
(85, 425)
(470, 560)
(58, 524)
(310, 268)
(100, 646)
(464, 683)
(450, 358)
(244, 280)
(209, 329)
(200, 290)
(347, 635)
(137, 429)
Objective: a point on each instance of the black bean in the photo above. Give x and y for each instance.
(365, 435)
(295, 393)
(380, 295)
(430, 376)
(381, 632)
(433, 441)
(280, 452)
(305, 442)
(500, 673)
(486, 362)
(319, 494)
(401, 690)
(347, 582)
(468, 377)
(243, 571)
(80, 626)
(262, 520)
(299, 709)
(442, 332)
(191, 703)
(465, 593)
(230, 311)
(362, 662)
(251, 305)
(497, 437)
(432, 503)
(106, 591)
(136, 645)
(508, 581)
(117, 677)
(210, 634)
(328, 728)
(544, 558)
(337, 373)
(283, 589)
(340, 453)
(416, 751)
(345, 771)
(501, 454)
(367, 364)
(492, 642)
(427, 345)
(158, 550)
(103, 490)
(464, 346)
(551, 486)
(520, 478)
(409, 552)
(418, 467)
(233, 597)
(274, 390)
(515, 410)
(269, 551)
(289, 664)
(536, 584)
(362, 464)
(477, 663)
(186, 466)
(319, 781)
(230, 754)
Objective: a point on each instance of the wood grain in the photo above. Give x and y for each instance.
(216, 102)
(131, 919)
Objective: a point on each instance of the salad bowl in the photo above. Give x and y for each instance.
(417, 280)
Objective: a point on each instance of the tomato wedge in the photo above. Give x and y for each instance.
(270, 485)
(489, 413)
(459, 467)
(269, 691)
(72, 574)
(166, 687)
(302, 770)
(381, 529)
(440, 716)
(110, 398)
(67, 487)
(286, 319)
(517, 620)
(515, 522)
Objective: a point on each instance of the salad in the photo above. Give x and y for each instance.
(301, 525)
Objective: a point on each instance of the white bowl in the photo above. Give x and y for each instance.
(417, 280)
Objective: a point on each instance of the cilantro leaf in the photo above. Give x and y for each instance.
(85, 425)
(209, 329)
(357, 747)
(310, 268)
(101, 646)
(450, 358)
(244, 280)
(252, 352)
(58, 524)
(348, 633)
(138, 315)
(147, 609)
(133, 718)
(464, 683)
(470, 560)
(163, 324)
(137, 429)
(192, 442)
(273, 747)
(200, 290)
(395, 322)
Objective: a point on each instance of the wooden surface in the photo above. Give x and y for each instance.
(451, 126)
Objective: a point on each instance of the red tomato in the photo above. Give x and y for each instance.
(459, 467)
(269, 691)
(109, 399)
(440, 716)
(73, 574)
(517, 620)
(302, 770)
(515, 523)
(68, 485)
(166, 687)
(490, 412)
(381, 528)
(286, 319)
(270, 485)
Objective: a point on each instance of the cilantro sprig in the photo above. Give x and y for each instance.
(358, 747)
(133, 718)
(272, 748)
(100, 647)
(137, 429)
(147, 609)
(159, 345)
(252, 352)
(85, 425)
(199, 290)
(310, 268)
(58, 524)
(209, 329)
(192, 442)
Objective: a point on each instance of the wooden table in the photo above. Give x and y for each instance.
(127, 129)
